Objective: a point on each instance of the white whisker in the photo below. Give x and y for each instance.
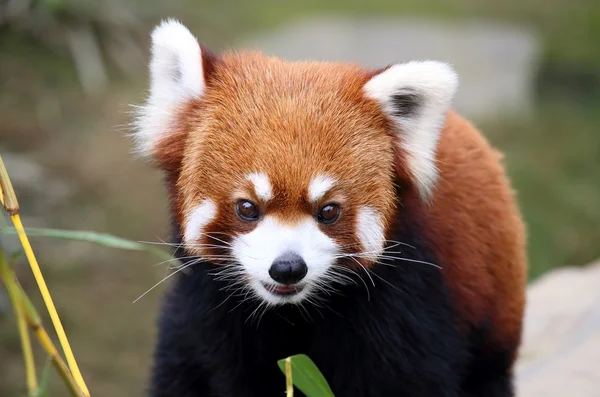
(166, 278)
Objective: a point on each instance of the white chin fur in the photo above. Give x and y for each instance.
(273, 299)
(257, 250)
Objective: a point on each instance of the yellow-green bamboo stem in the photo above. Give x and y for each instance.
(289, 385)
(35, 324)
(9, 201)
(7, 193)
(15, 297)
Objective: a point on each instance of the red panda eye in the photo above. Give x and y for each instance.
(247, 210)
(329, 213)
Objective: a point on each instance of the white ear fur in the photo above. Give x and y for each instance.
(416, 96)
(176, 76)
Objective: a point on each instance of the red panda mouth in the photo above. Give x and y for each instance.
(283, 290)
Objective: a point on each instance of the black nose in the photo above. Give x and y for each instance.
(288, 268)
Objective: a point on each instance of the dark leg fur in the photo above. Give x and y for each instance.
(489, 373)
(499, 386)
(487, 380)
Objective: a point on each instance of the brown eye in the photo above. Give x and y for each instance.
(247, 210)
(329, 213)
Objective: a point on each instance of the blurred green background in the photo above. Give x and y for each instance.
(69, 69)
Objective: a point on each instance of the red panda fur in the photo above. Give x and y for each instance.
(472, 215)
(472, 222)
(251, 111)
(472, 178)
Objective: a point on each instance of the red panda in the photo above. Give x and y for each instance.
(327, 209)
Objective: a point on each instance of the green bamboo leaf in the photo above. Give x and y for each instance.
(307, 377)
(104, 239)
(42, 390)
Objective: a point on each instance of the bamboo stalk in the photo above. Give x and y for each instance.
(32, 318)
(289, 385)
(62, 337)
(30, 372)
(55, 357)
(14, 294)
(9, 201)
(7, 193)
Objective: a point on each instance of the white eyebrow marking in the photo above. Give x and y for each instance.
(319, 186)
(262, 186)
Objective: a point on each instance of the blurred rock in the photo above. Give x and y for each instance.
(496, 63)
(561, 342)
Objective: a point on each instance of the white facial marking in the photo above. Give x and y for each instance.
(197, 220)
(370, 232)
(416, 96)
(257, 250)
(262, 186)
(319, 186)
(176, 76)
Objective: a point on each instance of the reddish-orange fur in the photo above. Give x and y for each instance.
(258, 110)
(249, 97)
(480, 233)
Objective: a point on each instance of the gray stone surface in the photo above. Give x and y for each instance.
(496, 63)
(560, 355)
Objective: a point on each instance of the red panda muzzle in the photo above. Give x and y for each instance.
(331, 210)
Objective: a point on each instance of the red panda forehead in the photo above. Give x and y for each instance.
(291, 123)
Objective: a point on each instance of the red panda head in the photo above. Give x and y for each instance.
(285, 171)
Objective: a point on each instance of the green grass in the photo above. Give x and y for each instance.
(552, 160)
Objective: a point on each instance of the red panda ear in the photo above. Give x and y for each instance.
(416, 97)
(179, 69)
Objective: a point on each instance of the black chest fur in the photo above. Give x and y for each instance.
(393, 333)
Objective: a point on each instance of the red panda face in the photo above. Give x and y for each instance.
(284, 171)
(286, 161)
